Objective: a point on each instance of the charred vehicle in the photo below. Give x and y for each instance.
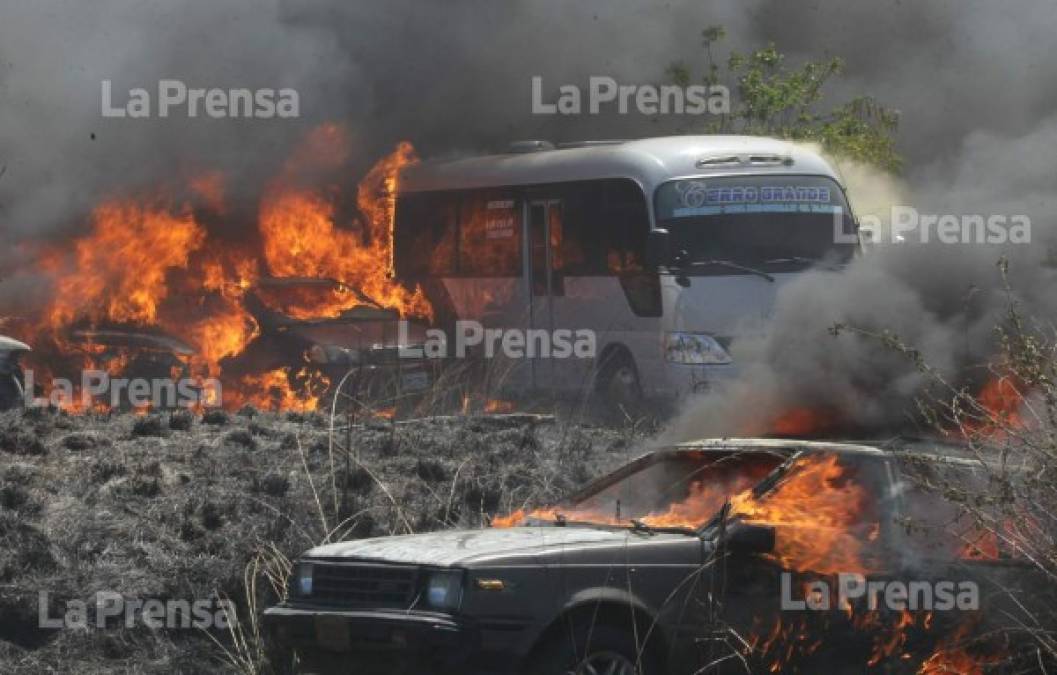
(12, 380)
(144, 353)
(117, 350)
(690, 559)
(324, 331)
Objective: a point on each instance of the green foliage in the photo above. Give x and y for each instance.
(770, 98)
(678, 73)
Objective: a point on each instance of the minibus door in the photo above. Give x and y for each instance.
(544, 219)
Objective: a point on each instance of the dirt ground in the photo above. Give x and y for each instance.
(174, 506)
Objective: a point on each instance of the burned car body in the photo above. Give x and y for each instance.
(624, 579)
(146, 354)
(127, 352)
(322, 326)
(12, 380)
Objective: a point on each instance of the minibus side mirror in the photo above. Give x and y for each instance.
(658, 248)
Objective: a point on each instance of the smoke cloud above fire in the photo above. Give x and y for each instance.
(973, 81)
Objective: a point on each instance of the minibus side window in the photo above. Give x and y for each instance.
(425, 235)
(605, 228)
(489, 234)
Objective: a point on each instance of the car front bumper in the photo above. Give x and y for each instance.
(382, 641)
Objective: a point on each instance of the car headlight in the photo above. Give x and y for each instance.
(694, 348)
(304, 578)
(444, 589)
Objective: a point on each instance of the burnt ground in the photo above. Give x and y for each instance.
(175, 507)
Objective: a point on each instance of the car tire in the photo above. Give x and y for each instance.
(619, 388)
(587, 650)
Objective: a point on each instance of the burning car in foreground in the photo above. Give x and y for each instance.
(12, 382)
(728, 555)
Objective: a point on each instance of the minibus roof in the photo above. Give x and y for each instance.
(649, 162)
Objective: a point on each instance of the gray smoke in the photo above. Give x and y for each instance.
(451, 77)
(944, 300)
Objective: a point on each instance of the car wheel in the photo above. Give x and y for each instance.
(597, 650)
(619, 387)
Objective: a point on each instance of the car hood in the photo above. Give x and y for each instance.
(464, 547)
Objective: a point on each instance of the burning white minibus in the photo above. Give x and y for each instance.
(668, 249)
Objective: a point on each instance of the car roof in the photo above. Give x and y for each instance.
(784, 446)
(937, 449)
(790, 444)
(940, 450)
(9, 344)
(649, 162)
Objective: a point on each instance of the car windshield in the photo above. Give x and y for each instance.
(682, 489)
(757, 222)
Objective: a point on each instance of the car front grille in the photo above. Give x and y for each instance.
(364, 584)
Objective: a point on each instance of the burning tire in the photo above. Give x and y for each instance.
(591, 650)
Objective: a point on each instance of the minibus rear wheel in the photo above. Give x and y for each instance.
(619, 387)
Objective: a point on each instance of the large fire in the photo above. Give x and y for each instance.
(301, 239)
(151, 265)
(823, 518)
(704, 498)
(120, 270)
(826, 524)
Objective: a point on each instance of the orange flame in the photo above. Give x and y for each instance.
(821, 516)
(149, 265)
(955, 654)
(121, 268)
(704, 499)
(496, 406)
(301, 239)
(802, 422)
(1000, 401)
(274, 390)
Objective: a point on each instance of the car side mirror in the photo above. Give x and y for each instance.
(746, 538)
(658, 248)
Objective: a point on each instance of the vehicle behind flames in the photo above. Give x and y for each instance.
(12, 380)
(331, 337)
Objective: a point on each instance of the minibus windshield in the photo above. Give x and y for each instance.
(769, 222)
